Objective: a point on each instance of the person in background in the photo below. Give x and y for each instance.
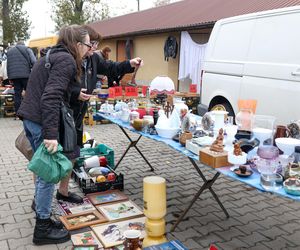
(92, 66)
(20, 60)
(3, 73)
(104, 52)
(40, 112)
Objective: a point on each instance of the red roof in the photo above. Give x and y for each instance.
(184, 14)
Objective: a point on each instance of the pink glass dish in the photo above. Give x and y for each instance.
(268, 152)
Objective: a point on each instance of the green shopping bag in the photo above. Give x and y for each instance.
(50, 167)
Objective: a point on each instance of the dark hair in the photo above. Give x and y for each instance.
(69, 36)
(94, 35)
(104, 51)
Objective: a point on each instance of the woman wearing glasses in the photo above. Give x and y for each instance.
(92, 65)
(40, 111)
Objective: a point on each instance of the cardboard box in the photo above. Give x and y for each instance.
(213, 159)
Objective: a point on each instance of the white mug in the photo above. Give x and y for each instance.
(92, 162)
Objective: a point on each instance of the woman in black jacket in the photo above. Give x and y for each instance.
(92, 65)
(40, 111)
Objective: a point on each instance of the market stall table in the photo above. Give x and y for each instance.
(253, 180)
(208, 183)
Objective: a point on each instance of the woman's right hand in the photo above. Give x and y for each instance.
(83, 96)
(51, 145)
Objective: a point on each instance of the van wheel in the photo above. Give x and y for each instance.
(224, 107)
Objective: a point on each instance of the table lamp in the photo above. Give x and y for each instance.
(154, 209)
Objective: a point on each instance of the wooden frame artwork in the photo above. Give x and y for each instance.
(120, 210)
(86, 238)
(112, 234)
(76, 221)
(107, 197)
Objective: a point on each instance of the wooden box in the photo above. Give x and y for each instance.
(213, 159)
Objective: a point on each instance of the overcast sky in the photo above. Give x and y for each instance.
(40, 10)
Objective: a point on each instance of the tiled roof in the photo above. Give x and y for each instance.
(184, 14)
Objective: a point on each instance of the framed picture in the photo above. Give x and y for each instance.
(73, 208)
(107, 197)
(111, 234)
(86, 247)
(76, 221)
(86, 238)
(120, 210)
(82, 208)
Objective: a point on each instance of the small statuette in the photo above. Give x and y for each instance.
(237, 149)
(217, 145)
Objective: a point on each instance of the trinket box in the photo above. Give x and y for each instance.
(213, 159)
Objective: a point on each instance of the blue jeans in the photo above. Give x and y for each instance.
(43, 190)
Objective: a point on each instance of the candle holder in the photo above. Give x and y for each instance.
(154, 209)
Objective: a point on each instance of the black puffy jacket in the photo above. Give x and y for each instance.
(46, 90)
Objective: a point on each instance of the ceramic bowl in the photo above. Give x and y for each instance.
(287, 145)
(166, 132)
(237, 159)
(103, 96)
(267, 152)
(292, 186)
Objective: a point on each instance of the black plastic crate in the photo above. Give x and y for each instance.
(89, 186)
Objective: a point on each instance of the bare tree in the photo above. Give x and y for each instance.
(78, 11)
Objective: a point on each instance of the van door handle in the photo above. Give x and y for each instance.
(295, 73)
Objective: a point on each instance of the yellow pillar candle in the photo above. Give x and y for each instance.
(154, 209)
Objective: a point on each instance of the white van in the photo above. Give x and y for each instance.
(255, 56)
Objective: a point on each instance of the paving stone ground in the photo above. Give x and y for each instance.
(257, 220)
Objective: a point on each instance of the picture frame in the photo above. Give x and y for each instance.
(76, 221)
(85, 247)
(109, 196)
(111, 234)
(82, 208)
(120, 210)
(73, 208)
(85, 238)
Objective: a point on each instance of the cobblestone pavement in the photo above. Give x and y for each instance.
(257, 220)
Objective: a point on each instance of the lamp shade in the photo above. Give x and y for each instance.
(162, 85)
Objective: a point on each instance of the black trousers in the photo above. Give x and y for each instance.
(19, 85)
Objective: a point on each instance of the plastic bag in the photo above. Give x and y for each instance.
(50, 167)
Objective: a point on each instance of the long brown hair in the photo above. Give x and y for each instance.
(69, 36)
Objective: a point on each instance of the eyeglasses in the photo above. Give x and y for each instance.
(88, 45)
(95, 44)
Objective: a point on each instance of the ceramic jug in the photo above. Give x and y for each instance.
(281, 131)
(132, 240)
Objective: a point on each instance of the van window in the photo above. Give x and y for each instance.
(276, 39)
(232, 41)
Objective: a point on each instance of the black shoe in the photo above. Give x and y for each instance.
(72, 197)
(57, 224)
(46, 233)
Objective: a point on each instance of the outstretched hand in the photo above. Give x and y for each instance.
(136, 62)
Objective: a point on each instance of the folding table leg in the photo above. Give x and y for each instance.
(132, 144)
(207, 185)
